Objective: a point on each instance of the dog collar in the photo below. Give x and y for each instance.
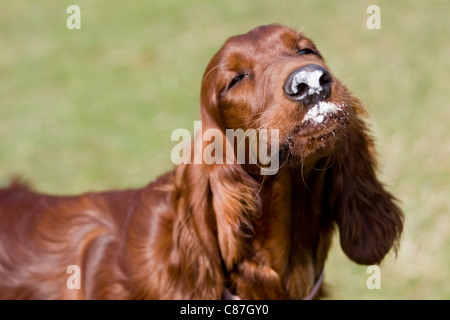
(226, 295)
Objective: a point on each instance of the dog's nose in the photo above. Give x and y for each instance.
(308, 84)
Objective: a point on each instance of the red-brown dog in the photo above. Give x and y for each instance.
(205, 229)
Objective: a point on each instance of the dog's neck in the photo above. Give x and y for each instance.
(292, 228)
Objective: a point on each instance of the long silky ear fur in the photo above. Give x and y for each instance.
(195, 258)
(370, 223)
(215, 204)
(236, 202)
(234, 192)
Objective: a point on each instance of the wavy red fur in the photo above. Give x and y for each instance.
(202, 228)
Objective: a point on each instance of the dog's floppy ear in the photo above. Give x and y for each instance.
(196, 257)
(369, 221)
(234, 193)
(234, 197)
(215, 202)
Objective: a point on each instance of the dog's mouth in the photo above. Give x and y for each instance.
(321, 120)
(317, 132)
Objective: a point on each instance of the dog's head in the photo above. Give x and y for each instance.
(275, 78)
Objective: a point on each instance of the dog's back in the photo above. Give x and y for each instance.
(45, 240)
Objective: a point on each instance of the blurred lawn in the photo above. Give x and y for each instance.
(93, 109)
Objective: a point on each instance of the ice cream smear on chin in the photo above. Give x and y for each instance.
(319, 111)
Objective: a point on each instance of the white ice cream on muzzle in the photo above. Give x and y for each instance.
(319, 111)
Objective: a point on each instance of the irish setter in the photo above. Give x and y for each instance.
(206, 229)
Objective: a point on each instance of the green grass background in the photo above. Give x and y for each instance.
(93, 109)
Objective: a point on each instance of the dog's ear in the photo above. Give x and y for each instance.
(195, 256)
(369, 221)
(234, 193)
